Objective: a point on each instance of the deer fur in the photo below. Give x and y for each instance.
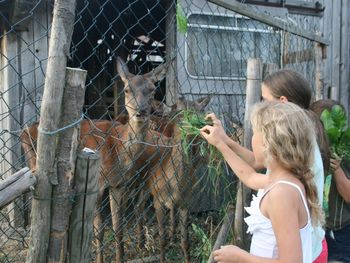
(127, 150)
(170, 184)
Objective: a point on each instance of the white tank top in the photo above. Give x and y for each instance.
(263, 240)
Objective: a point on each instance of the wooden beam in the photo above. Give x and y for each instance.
(293, 6)
(15, 185)
(246, 10)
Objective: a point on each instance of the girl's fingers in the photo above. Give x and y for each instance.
(211, 116)
(207, 129)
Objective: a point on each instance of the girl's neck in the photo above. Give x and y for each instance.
(277, 172)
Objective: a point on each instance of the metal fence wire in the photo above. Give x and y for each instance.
(206, 57)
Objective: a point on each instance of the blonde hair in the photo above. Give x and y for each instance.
(289, 137)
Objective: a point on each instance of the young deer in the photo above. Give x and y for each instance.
(171, 183)
(127, 150)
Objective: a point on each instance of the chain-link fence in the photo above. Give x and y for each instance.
(207, 57)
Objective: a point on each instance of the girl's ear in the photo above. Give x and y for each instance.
(283, 99)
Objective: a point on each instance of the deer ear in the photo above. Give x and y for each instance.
(158, 73)
(203, 102)
(123, 71)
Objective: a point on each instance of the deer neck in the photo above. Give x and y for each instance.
(137, 131)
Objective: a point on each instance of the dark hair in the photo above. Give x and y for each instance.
(290, 84)
(320, 105)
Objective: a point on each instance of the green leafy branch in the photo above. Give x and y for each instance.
(338, 132)
(190, 126)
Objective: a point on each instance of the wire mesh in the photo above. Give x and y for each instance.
(209, 58)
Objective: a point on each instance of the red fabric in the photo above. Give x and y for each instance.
(323, 257)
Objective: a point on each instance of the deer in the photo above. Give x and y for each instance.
(127, 150)
(170, 184)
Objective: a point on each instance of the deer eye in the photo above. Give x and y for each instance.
(126, 90)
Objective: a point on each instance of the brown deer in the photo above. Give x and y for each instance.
(127, 150)
(171, 183)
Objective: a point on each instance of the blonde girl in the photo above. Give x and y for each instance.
(282, 214)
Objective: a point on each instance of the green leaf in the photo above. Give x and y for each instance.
(335, 124)
(327, 120)
(339, 117)
(181, 19)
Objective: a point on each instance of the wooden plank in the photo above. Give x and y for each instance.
(344, 57)
(266, 19)
(15, 186)
(293, 6)
(42, 25)
(298, 56)
(10, 88)
(326, 29)
(171, 91)
(336, 47)
(81, 222)
(13, 178)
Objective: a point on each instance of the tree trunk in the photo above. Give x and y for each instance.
(60, 40)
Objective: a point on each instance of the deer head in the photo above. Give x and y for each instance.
(139, 90)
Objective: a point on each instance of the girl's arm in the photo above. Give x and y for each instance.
(341, 181)
(244, 153)
(282, 209)
(216, 136)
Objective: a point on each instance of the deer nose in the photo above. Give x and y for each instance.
(142, 110)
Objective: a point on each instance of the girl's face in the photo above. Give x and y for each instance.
(258, 148)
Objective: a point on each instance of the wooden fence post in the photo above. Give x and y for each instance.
(60, 40)
(81, 221)
(72, 108)
(224, 230)
(253, 94)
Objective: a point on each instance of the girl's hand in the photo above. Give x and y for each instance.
(228, 254)
(335, 164)
(214, 134)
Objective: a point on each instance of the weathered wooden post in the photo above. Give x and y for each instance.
(224, 230)
(60, 40)
(253, 94)
(72, 108)
(81, 222)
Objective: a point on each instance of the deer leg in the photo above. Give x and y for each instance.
(140, 209)
(172, 223)
(99, 230)
(116, 203)
(184, 233)
(160, 219)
